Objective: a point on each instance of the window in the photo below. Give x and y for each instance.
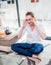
(8, 13)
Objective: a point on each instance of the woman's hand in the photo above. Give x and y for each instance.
(35, 21)
(24, 24)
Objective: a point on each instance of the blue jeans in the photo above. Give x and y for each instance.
(27, 49)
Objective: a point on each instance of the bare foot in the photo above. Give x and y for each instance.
(36, 57)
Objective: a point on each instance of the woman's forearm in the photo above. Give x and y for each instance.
(42, 34)
(20, 33)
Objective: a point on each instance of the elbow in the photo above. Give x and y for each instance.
(44, 37)
(19, 36)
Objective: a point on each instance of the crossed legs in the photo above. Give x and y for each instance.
(24, 49)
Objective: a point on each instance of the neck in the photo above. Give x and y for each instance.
(32, 26)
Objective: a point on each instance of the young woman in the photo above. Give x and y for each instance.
(32, 47)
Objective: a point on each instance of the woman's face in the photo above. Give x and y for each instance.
(29, 19)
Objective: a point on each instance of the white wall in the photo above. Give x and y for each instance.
(40, 9)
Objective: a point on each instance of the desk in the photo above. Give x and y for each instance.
(9, 39)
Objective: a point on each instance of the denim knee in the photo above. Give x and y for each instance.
(13, 46)
(36, 49)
